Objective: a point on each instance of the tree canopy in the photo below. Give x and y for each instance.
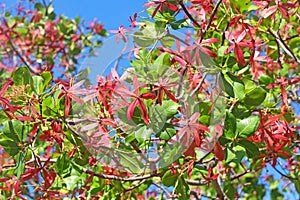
(202, 103)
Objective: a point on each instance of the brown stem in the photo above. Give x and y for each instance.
(220, 193)
(239, 175)
(196, 182)
(285, 48)
(189, 15)
(119, 178)
(210, 20)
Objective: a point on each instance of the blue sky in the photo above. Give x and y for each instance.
(111, 13)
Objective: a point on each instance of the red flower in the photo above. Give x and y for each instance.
(69, 91)
(133, 21)
(238, 40)
(95, 27)
(199, 46)
(282, 83)
(120, 33)
(138, 99)
(162, 86)
(160, 6)
(4, 102)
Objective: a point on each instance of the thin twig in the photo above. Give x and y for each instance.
(196, 182)
(163, 189)
(199, 85)
(284, 175)
(178, 38)
(29, 162)
(135, 186)
(119, 178)
(285, 48)
(219, 190)
(23, 59)
(210, 20)
(189, 15)
(239, 175)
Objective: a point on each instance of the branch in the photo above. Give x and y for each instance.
(210, 20)
(23, 59)
(284, 175)
(285, 48)
(219, 190)
(188, 14)
(119, 178)
(135, 186)
(199, 85)
(29, 162)
(239, 175)
(196, 182)
(163, 189)
(178, 38)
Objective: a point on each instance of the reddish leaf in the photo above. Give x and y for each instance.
(219, 152)
(29, 174)
(238, 52)
(269, 11)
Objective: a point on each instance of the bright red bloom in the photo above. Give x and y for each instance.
(120, 33)
(4, 102)
(238, 40)
(161, 4)
(138, 99)
(69, 91)
(162, 87)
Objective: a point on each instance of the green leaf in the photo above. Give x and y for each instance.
(238, 87)
(297, 185)
(169, 179)
(167, 41)
(143, 134)
(242, 5)
(255, 97)
(22, 76)
(20, 165)
(276, 195)
(10, 147)
(206, 60)
(47, 76)
(168, 132)
(62, 164)
(229, 190)
(130, 161)
(142, 40)
(226, 86)
(182, 23)
(248, 126)
(182, 189)
(38, 83)
(161, 64)
(230, 125)
(251, 149)
(170, 108)
(14, 130)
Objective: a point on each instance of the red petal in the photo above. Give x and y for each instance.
(5, 86)
(284, 96)
(144, 112)
(269, 11)
(219, 152)
(24, 118)
(131, 108)
(238, 52)
(171, 6)
(148, 95)
(29, 174)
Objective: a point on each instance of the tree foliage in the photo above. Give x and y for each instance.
(208, 107)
